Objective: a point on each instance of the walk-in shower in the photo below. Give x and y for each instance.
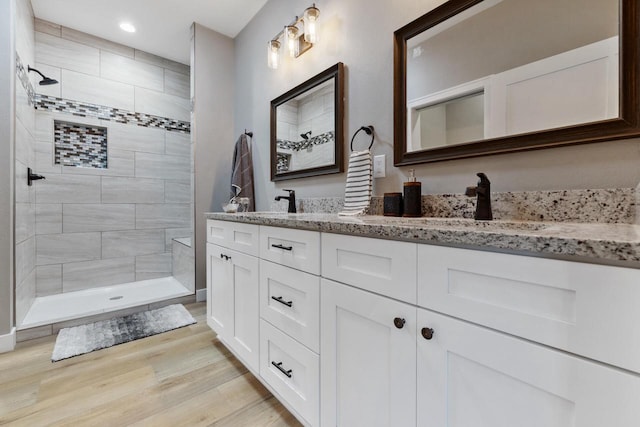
(112, 138)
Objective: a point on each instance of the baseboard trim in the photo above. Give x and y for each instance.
(201, 295)
(8, 341)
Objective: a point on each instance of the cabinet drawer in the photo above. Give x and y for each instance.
(292, 370)
(585, 309)
(383, 266)
(234, 235)
(298, 249)
(290, 300)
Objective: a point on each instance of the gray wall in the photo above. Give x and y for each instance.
(7, 81)
(360, 34)
(213, 77)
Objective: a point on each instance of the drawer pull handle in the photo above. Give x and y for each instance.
(281, 369)
(223, 256)
(427, 333)
(284, 248)
(399, 322)
(281, 301)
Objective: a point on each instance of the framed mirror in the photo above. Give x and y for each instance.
(479, 77)
(307, 134)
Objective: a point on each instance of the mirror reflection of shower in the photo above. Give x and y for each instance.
(305, 135)
(46, 81)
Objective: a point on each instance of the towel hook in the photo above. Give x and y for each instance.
(250, 134)
(368, 130)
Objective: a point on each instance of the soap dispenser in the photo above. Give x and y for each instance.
(412, 196)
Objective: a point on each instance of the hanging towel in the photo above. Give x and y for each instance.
(357, 193)
(242, 171)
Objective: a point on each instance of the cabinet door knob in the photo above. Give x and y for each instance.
(427, 333)
(399, 322)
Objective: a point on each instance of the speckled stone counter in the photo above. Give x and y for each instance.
(617, 244)
(609, 205)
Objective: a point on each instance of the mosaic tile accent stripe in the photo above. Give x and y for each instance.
(304, 144)
(80, 145)
(83, 109)
(23, 76)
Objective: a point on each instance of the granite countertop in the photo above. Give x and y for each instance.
(617, 244)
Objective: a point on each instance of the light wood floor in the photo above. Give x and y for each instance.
(184, 377)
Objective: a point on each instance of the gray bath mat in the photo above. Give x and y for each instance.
(106, 333)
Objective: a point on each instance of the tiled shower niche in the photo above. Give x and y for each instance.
(80, 145)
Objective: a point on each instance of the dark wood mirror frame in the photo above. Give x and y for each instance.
(335, 72)
(625, 126)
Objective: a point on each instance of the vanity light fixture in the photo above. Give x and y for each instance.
(296, 40)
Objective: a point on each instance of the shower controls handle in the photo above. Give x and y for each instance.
(32, 177)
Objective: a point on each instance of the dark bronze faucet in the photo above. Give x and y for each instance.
(291, 198)
(483, 191)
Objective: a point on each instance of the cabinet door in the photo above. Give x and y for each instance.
(472, 376)
(367, 364)
(219, 311)
(233, 289)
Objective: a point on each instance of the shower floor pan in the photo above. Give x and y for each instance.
(72, 305)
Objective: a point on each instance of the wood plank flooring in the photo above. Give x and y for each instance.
(184, 377)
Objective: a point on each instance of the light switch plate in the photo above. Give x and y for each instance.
(379, 166)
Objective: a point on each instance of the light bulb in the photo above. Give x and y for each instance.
(291, 35)
(310, 30)
(272, 54)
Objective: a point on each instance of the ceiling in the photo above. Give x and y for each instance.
(162, 26)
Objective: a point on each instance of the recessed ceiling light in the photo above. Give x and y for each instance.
(128, 27)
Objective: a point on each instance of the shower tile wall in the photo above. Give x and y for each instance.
(97, 227)
(25, 223)
(315, 113)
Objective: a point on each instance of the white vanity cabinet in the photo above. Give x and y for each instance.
(233, 288)
(354, 331)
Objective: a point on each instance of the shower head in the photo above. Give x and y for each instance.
(305, 135)
(46, 81)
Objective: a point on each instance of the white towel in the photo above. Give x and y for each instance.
(357, 193)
